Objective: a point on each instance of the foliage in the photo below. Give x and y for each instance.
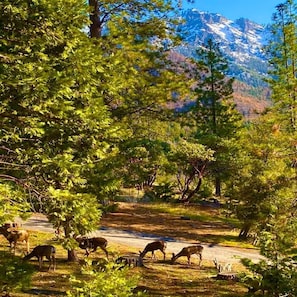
(76, 213)
(50, 107)
(273, 279)
(189, 160)
(109, 281)
(15, 274)
(265, 178)
(269, 182)
(216, 122)
(73, 213)
(55, 125)
(162, 192)
(12, 203)
(283, 58)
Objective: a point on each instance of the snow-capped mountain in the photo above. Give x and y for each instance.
(241, 41)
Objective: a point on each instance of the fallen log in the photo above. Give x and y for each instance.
(227, 276)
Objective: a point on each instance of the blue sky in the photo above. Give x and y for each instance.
(259, 11)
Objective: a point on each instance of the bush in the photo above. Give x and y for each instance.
(163, 192)
(15, 273)
(109, 281)
(270, 278)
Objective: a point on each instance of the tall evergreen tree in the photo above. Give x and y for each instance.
(283, 60)
(271, 186)
(216, 118)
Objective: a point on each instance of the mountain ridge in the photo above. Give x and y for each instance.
(241, 42)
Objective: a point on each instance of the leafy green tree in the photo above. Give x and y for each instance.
(73, 214)
(137, 38)
(55, 125)
(67, 100)
(12, 203)
(215, 117)
(265, 175)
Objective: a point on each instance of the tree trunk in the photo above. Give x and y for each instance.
(244, 231)
(72, 256)
(218, 187)
(187, 198)
(95, 26)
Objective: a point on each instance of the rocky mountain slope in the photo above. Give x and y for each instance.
(242, 42)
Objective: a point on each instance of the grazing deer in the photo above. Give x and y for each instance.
(13, 235)
(92, 243)
(187, 252)
(152, 247)
(41, 251)
(132, 260)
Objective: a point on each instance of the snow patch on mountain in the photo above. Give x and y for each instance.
(241, 41)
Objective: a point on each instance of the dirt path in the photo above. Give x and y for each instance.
(38, 222)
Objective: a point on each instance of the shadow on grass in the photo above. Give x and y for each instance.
(44, 292)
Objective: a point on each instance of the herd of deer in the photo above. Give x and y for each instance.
(14, 234)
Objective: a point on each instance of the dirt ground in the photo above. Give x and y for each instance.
(139, 217)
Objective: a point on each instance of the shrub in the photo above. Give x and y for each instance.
(15, 274)
(110, 281)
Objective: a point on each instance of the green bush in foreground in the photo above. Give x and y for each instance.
(109, 281)
(15, 274)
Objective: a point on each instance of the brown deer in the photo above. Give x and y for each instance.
(41, 251)
(187, 252)
(13, 235)
(92, 243)
(154, 246)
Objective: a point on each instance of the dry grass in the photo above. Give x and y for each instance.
(157, 278)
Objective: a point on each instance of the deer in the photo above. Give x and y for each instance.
(187, 252)
(131, 260)
(13, 235)
(92, 243)
(40, 251)
(154, 246)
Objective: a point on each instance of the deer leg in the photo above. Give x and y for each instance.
(54, 262)
(200, 256)
(153, 255)
(40, 262)
(189, 260)
(105, 251)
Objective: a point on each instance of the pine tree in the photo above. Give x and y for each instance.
(217, 120)
(283, 61)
